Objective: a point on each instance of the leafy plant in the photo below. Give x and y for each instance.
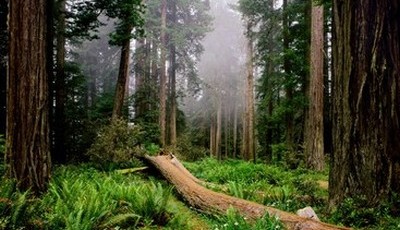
(17, 209)
(2, 144)
(234, 221)
(356, 212)
(116, 143)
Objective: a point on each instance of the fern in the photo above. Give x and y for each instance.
(122, 219)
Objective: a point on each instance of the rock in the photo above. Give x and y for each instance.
(308, 212)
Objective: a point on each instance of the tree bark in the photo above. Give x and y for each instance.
(210, 202)
(314, 133)
(123, 75)
(3, 64)
(173, 67)
(163, 76)
(28, 151)
(366, 111)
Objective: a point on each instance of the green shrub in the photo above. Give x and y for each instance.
(355, 212)
(18, 210)
(116, 143)
(188, 151)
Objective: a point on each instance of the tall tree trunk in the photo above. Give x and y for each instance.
(212, 138)
(139, 78)
(154, 73)
(173, 67)
(288, 81)
(235, 129)
(163, 75)
(270, 109)
(226, 131)
(314, 133)
(249, 153)
(123, 75)
(218, 138)
(28, 151)
(3, 64)
(366, 111)
(59, 155)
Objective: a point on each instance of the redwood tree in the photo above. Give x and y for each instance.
(27, 153)
(314, 127)
(366, 91)
(163, 75)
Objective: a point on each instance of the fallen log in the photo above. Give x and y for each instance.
(212, 202)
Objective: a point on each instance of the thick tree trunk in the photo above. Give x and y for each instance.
(59, 155)
(28, 152)
(210, 202)
(163, 76)
(3, 64)
(122, 80)
(314, 133)
(366, 111)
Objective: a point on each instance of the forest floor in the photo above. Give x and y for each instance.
(86, 197)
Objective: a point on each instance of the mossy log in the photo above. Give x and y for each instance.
(208, 201)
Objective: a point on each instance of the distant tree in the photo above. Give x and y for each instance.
(163, 75)
(366, 98)
(130, 16)
(281, 50)
(248, 124)
(314, 127)
(28, 147)
(60, 83)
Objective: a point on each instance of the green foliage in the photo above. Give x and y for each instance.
(357, 212)
(17, 209)
(189, 151)
(85, 198)
(281, 53)
(234, 221)
(116, 143)
(267, 184)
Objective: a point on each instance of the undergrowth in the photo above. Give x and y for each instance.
(84, 197)
(270, 185)
(234, 221)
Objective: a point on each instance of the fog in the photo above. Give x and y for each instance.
(222, 65)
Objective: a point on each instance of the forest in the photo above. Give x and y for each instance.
(200, 114)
